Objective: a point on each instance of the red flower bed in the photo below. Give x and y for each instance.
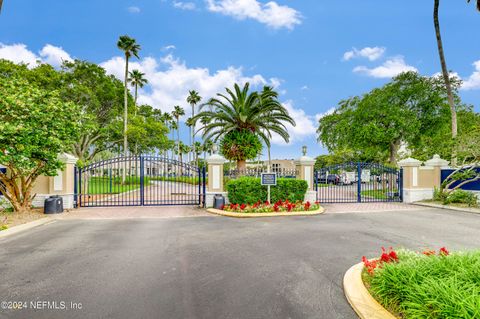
(280, 206)
(391, 256)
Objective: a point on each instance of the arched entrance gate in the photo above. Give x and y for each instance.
(139, 181)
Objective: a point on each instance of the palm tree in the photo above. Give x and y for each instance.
(189, 123)
(130, 47)
(182, 149)
(177, 113)
(173, 126)
(137, 80)
(198, 150)
(193, 98)
(207, 148)
(167, 119)
(1, 2)
(240, 110)
(446, 78)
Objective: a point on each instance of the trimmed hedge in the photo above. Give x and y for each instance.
(248, 190)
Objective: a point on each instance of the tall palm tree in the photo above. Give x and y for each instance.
(446, 78)
(173, 126)
(239, 110)
(189, 123)
(193, 98)
(130, 48)
(137, 80)
(177, 113)
(1, 2)
(167, 119)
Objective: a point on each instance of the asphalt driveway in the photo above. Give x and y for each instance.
(209, 267)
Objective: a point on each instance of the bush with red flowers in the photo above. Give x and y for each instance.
(266, 207)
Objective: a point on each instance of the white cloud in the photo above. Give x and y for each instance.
(18, 53)
(473, 81)
(169, 47)
(388, 69)
(54, 55)
(133, 9)
(184, 5)
(170, 80)
(305, 125)
(304, 88)
(372, 54)
(321, 115)
(271, 13)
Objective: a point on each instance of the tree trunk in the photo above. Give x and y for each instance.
(241, 167)
(136, 95)
(125, 115)
(393, 152)
(446, 78)
(193, 131)
(178, 136)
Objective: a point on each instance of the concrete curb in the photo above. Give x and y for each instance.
(458, 209)
(321, 210)
(359, 298)
(26, 226)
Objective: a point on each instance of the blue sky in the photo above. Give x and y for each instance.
(312, 51)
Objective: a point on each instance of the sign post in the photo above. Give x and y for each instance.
(269, 179)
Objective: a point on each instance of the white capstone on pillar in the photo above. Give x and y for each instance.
(215, 185)
(437, 163)
(305, 170)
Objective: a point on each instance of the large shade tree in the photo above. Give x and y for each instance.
(240, 113)
(100, 97)
(406, 111)
(36, 125)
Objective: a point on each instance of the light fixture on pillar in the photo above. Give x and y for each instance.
(215, 148)
(304, 150)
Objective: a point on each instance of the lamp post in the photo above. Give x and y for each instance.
(304, 150)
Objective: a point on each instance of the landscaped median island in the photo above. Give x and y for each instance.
(409, 284)
(266, 209)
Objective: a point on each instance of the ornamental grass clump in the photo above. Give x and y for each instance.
(428, 284)
(267, 207)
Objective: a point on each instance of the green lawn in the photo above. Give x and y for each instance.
(106, 185)
(420, 286)
(378, 194)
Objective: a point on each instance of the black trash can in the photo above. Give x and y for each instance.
(218, 201)
(53, 205)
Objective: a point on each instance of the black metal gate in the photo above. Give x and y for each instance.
(358, 182)
(139, 181)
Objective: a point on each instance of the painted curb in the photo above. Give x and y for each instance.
(319, 211)
(359, 298)
(26, 226)
(458, 209)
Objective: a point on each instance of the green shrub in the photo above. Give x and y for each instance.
(462, 197)
(439, 195)
(248, 190)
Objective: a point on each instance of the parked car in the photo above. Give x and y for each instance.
(324, 178)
